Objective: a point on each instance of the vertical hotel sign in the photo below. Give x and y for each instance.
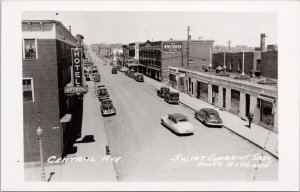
(77, 67)
(78, 87)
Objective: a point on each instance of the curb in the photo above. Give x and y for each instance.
(237, 134)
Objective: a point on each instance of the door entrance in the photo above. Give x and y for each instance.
(247, 104)
(224, 97)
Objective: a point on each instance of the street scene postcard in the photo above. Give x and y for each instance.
(143, 94)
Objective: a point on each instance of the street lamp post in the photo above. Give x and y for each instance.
(39, 133)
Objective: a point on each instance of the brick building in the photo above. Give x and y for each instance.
(255, 62)
(47, 69)
(155, 57)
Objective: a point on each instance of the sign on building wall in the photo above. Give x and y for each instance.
(78, 86)
(172, 47)
(77, 67)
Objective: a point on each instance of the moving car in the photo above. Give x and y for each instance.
(139, 77)
(209, 116)
(114, 70)
(178, 123)
(107, 107)
(172, 97)
(162, 91)
(102, 94)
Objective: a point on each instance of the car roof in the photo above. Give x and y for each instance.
(164, 87)
(102, 88)
(106, 100)
(209, 110)
(178, 116)
(173, 92)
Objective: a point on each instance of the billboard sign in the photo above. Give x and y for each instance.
(172, 47)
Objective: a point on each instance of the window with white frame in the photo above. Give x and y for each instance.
(28, 95)
(30, 50)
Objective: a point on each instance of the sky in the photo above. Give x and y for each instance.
(241, 28)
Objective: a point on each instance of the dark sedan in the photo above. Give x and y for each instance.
(209, 116)
(107, 107)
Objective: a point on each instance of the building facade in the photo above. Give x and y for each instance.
(47, 69)
(156, 57)
(256, 63)
(236, 96)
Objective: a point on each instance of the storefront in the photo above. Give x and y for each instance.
(202, 90)
(172, 80)
(235, 101)
(266, 105)
(215, 94)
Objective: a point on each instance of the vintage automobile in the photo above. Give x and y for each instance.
(162, 91)
(139, 77)
(130, 73)
(172, 97)
(209, 116)
(178, 123)
(107, 107)
(103, 93)
(114, 70)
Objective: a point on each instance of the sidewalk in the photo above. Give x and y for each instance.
(89, 164)
(258, 135)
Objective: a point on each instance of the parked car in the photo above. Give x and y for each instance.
(139, 77)
(107, 107)
(172, 97)
(114, 70)
(130, 73)
(178, 123)
(209, 116)
(103, 94)
(162, 91)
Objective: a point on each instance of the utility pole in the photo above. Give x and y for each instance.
(188, 46)
(229, 42)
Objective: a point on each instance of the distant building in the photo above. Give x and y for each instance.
(156, 57)
(47, 70)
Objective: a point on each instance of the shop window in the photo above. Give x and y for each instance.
(215, 94)
(29, 49)
(267, 115)
(203, 91)
(235, 100)
(28, 95)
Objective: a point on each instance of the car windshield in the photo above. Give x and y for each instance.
(107, 102)
(103, 91)
(174, 95)
(213, 115)
(182, 120)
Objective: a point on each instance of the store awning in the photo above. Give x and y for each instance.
(242, 77)
(271, 100)
(223, 73)
(267, 81)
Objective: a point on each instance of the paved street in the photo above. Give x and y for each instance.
(151, 152)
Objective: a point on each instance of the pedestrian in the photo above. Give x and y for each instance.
(250, 118)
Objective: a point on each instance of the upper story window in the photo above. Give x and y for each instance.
(30, 50)
(28, 95)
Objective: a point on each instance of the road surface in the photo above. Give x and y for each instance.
(151, 152)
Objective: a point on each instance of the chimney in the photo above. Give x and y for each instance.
(263, 42)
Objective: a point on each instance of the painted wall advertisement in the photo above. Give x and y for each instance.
(172, 47)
